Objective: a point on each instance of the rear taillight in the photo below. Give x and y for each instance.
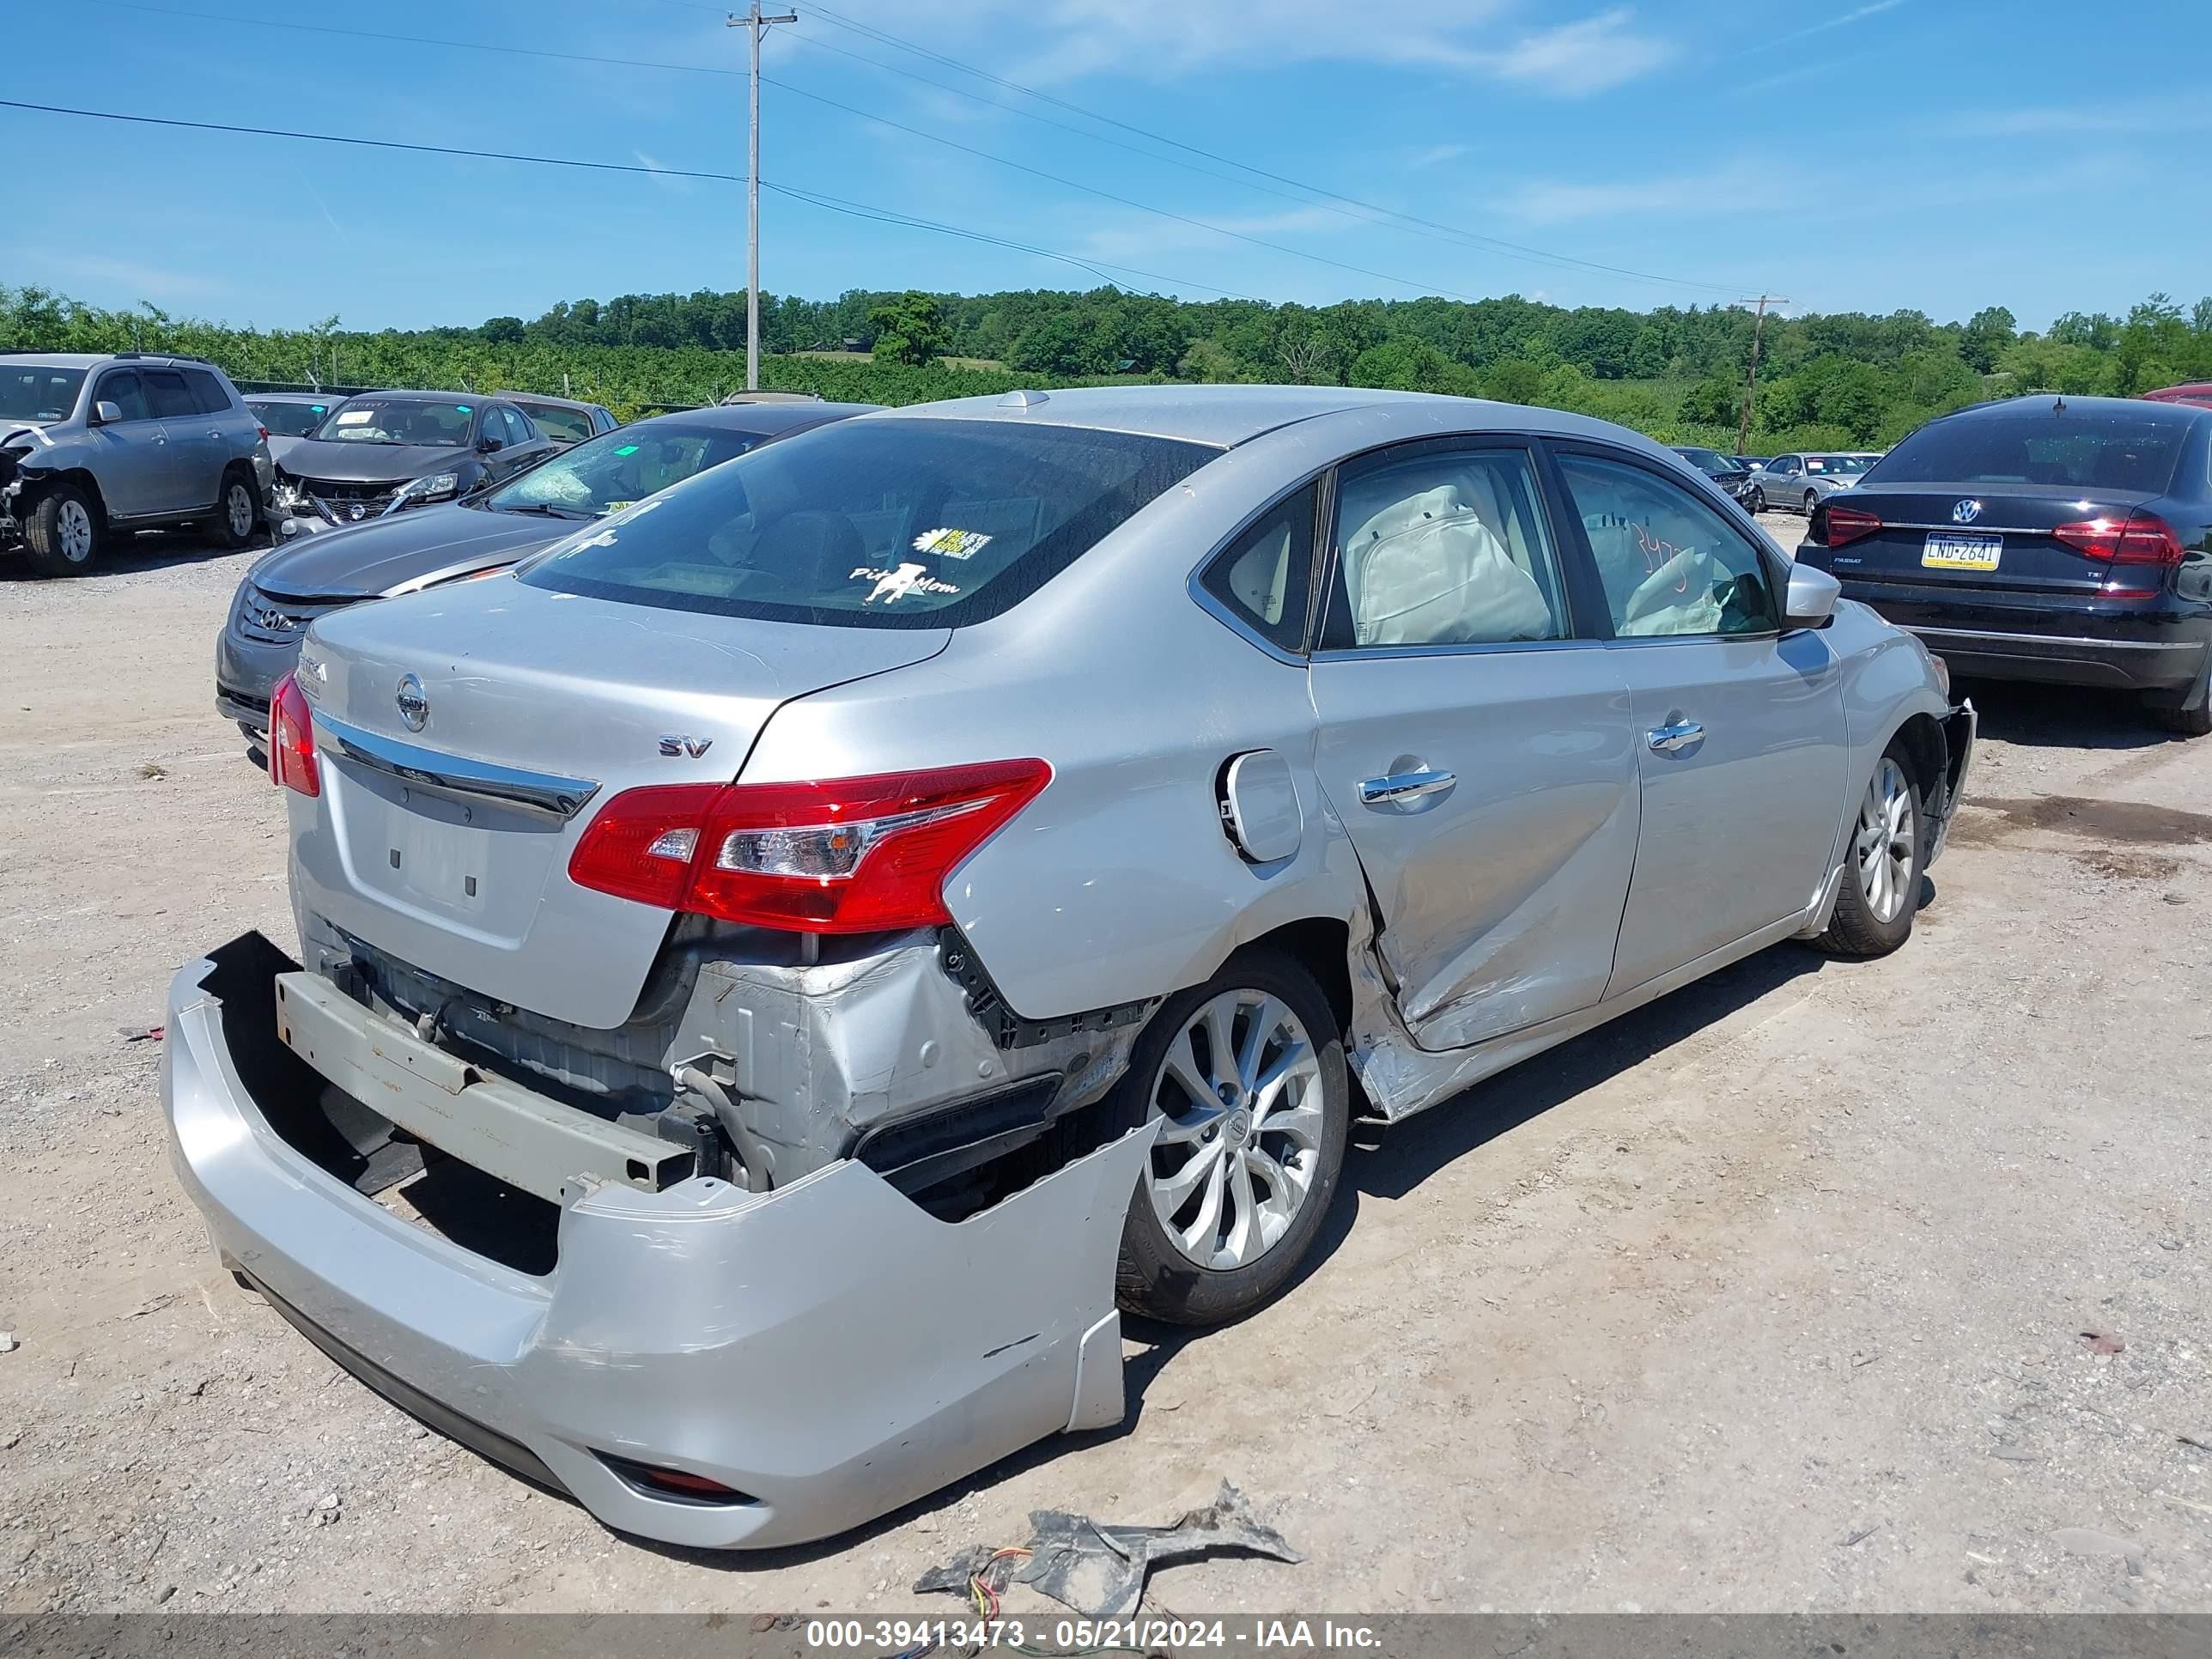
(292, 740)
(849, 855)
(2139, 538)
(1839, 525)
(264, 431)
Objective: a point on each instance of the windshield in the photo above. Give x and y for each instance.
(1708, 460)
(32, 391)
(875, 523)
(2093, 451)
(566, 426)
(620, 468)
(399, 421)
(287, 420)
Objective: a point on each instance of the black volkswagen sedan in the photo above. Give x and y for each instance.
(1723, 469)
(2062, 539)
(383, 452)
(312, 576)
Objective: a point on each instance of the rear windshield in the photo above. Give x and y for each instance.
(557, 420)
(619, 470)
(287, 419)
(1707, 460)
(875, 523)
(32, 391)
(2089, 451)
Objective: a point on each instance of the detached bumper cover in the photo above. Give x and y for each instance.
(827, 1349)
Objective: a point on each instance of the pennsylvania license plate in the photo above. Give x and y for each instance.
(1945, 551)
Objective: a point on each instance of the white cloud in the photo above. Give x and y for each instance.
(1137, 237)
(1552, 201)
(2153, 115)
(661, 176)
(1844, 21)
(1436, 155)
(146, 282)
(1061, 40)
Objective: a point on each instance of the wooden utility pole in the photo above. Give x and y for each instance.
(755, 25)
(1751, 381)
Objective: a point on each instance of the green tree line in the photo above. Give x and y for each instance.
(1835, 380)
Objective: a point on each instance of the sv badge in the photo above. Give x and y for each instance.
(673, 743)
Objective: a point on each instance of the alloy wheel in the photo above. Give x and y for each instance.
(1885, 844)
(237, 501)
(76, 525)
(1238, 1097)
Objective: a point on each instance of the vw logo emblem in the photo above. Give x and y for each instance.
(414, 705)
(1966, 511)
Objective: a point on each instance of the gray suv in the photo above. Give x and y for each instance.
(91, 443)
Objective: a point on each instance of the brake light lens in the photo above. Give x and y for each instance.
(264, 431)
(292, 740)
(1843, 525)
(849, 855)
(2139, 538)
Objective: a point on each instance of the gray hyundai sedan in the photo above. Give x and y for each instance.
(782, 967)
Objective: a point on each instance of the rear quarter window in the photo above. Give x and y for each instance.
(875, 523)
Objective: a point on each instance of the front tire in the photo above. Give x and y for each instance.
(1811, 501)
(1881, 890)
(61, 536)
(1246, 1074)
(1756, 502)
(237, 511)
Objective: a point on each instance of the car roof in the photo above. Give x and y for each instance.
(94, 359)
(427, 397)
(546, 398)
(2040, 405)
(1226, 416)
(323, 398)
(762, 420)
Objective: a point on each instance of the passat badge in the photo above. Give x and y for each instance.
(1966, 511)
(414, 703)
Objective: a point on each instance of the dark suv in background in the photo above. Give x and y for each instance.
(2062, 539)
(92, 446)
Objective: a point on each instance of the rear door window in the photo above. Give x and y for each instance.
(2120, 450)
(167, 391)
(568, 425)
(878, 523)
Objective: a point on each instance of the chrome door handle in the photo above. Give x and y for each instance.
(1404, 786)
(1666, 739)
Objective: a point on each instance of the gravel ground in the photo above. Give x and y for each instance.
(1775, 1295)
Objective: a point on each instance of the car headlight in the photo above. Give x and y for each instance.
(436, 487)
(290, 497)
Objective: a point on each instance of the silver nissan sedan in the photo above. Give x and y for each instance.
(783, 968)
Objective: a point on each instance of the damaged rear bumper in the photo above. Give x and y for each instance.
(825, 1352)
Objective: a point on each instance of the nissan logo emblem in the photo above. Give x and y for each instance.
(413, 704)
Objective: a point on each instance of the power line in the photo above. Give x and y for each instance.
(1371, 214)
(1098, 269)
(832, 204)
(1522, 249)
(1109, 196)
(373, 144)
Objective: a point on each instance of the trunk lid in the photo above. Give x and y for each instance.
(1984, 539)
(445, 841)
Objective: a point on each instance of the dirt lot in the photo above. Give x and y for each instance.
(1771, 1296)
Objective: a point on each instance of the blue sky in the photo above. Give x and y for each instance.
(1852, 155)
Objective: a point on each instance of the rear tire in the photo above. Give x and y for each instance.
(1228, 1207)
(1883, 865)
(1811, 501)
(62, 536)
(1756, 501)
(237, 511)
(2189, 722)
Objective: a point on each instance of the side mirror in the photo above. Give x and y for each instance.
(488, 444)
(105, 411)
(1811, 599)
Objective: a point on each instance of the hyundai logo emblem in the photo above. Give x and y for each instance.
(1966, 511)
(414, 705)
